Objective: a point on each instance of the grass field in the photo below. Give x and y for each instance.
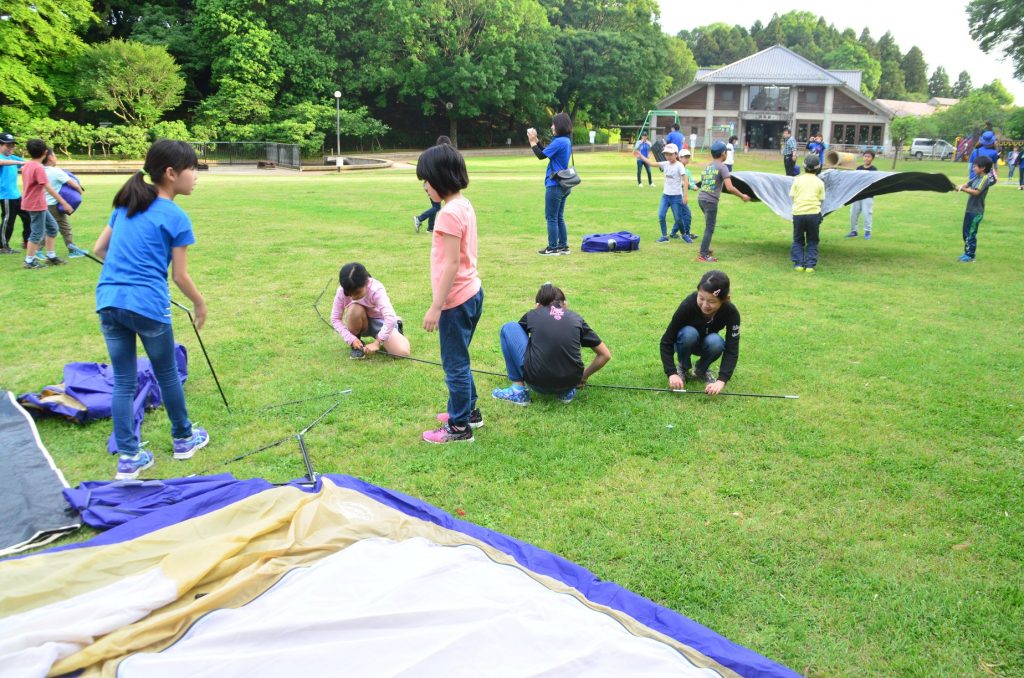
(872, 527)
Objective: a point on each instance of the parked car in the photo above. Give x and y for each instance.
(931, 148)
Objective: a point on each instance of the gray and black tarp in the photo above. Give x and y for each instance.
(31, 487)
(842, 187)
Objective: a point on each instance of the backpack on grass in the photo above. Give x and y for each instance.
(621, 241)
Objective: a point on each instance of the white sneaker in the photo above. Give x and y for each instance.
(416, 223)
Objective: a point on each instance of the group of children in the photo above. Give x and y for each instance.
(48, 196)
(715, 177)
(147, 233)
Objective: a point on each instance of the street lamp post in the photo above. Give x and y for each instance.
(337, 124)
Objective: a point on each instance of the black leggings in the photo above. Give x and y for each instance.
(10, 210)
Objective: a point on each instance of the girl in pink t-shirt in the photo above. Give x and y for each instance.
(458, 295)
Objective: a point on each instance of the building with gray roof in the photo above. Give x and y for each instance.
(756, 97)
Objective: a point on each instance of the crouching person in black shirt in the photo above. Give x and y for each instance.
(542, 350)
(694, 331)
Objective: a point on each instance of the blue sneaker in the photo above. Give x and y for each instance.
(40, 256)
(663, 238)
(568, 396)
(184, 448)
(867, 235)
(516, 396)
(687, 238)
(129, 468)
(965, 259)
(74, 251)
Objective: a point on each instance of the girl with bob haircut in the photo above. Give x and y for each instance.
(458, 295)
(362, 309)
(557, 153)
(694, 330)
(542, 350)
(146, 233)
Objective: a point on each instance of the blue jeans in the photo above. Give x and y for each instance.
(120, 327)
(641, 165)
(514, 340)
(430, 214)
(455, 329)
(676, 203)
(554, 214)
(688, 343)
(806, 233)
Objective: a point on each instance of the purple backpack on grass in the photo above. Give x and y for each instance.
(621, 241)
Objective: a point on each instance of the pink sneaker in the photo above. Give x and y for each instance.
(447, 434)
(476, 420)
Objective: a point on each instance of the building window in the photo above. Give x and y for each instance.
(768, 98)
(876, 135)
(801, 133)
(727, 94)
(812, 96)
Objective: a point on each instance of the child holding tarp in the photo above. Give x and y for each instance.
(674, 195)
(807, 192)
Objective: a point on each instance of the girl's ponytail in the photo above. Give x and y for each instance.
(136, 195)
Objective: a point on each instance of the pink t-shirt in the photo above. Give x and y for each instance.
(458, 219)
(33, 178)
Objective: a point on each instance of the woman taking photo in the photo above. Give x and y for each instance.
(558, 154)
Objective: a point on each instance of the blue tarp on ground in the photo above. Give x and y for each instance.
(85, 394)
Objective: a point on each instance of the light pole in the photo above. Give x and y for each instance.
(337, 124)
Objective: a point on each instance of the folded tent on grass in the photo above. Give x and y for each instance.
(242, 577)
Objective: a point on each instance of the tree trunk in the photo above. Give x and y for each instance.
(453, 129)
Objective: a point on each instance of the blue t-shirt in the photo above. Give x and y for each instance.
(9, 179)
(676, 138)
(644, 148)
(986, 151)
(134, 275)
(558, 153)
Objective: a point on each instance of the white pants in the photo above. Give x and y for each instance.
(858, 208)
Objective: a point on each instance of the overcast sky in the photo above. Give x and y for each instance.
(937, 27)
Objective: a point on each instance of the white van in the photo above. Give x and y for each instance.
(931, 148)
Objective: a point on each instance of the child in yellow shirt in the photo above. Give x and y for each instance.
(807, 192)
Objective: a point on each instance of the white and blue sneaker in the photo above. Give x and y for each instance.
(663, 238)
(130, 466)
(517, 395)
(568, 396)
(74, 251)
(184, 448)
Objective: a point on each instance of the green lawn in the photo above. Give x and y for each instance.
(872, 527)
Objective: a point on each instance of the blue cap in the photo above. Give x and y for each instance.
(718, 147)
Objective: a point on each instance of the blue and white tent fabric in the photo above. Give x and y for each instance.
(239, 577)
(842, 187)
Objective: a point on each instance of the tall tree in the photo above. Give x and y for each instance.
(999, 25)
(465, 53)
(719, 44)
(963, 85)
(853, 56)
(680, 64)
(136, 82)
(869, 43)
(891, 85)
(998, 92)
(34, 38)
(915, 71)
(938, 84)
(602, 15)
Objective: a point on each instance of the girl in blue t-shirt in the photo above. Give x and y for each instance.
(147, 232)
(558, 153)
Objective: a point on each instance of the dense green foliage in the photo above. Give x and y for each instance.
(407, 70)
(870, 528)
(998, 26)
